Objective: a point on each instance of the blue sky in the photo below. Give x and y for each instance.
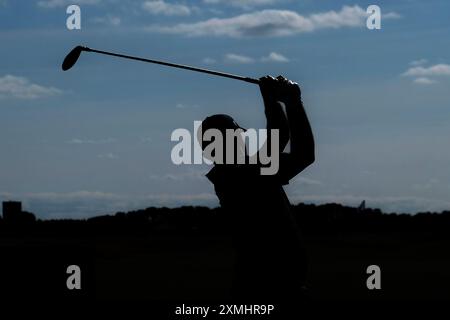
(96, 139)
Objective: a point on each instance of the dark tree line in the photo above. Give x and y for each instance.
(312, 219)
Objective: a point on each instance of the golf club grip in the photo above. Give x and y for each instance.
(180, 66)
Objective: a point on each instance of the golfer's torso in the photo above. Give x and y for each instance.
(256, 204)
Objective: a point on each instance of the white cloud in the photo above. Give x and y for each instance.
(172, 200)
(157, 7)
(242, 59)
(237, 58)
(391, 15)
(424, 75)
(21, 88)
(62, 3)
(183, 176)
(274, 57)
(419, 62)
(435, 70)
(424, 81)
(208, 60)
(307, 181)
(108, 156)
(108, 20)
(146, 140)
(269, 23)
(244, 4)
(88, 141)
(180, 106)
(186, 106)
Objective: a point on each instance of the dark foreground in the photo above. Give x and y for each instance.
(131, 257)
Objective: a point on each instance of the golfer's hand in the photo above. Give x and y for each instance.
(279, 89)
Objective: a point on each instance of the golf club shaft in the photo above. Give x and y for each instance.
(180, 66)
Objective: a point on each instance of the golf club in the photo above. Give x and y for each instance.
(74, 55)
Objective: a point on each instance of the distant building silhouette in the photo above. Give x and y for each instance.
(12, 211)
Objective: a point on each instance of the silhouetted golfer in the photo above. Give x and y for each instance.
(270, 261)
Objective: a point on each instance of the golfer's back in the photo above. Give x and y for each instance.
(270, 261)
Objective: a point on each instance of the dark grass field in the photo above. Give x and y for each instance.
(158, 258)
(198, 267)
(413, 268)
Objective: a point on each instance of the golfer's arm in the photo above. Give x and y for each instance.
(276, 119)
(301, 137)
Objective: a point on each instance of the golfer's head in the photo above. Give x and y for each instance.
(220, 124)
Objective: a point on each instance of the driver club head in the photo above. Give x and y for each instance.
(71, 58)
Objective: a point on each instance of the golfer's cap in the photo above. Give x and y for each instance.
(220, 122)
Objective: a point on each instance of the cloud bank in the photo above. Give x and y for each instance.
(271, 23)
